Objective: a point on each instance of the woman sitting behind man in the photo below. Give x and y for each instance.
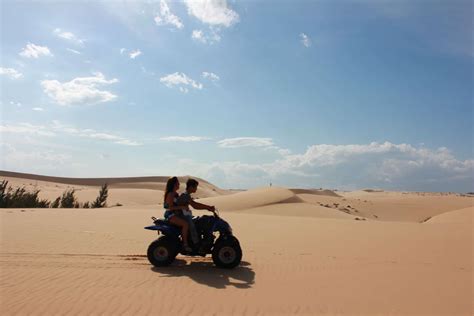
(174, 206)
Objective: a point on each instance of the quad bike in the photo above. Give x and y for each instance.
(225, 250)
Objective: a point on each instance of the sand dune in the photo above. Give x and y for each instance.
(368, 204)
(315, 192)
(462, 216)
(129, 191)
(252, 198)
(304, 253)
(301, 209)
(95, 181)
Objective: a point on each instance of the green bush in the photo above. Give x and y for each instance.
(68, 199)
(19, 197)
(56, 203)
(101, 200)
(3, 194)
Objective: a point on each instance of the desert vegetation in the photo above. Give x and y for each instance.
(20, 197)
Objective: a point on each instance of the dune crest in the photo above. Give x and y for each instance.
(461, 216)
(315, 192)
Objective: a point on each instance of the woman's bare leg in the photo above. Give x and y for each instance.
(184, 227)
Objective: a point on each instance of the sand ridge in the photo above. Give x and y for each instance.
(461, 216)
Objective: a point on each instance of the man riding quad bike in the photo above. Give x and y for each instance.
(225, 250)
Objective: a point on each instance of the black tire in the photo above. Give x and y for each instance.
(162, 252)
(227, 252)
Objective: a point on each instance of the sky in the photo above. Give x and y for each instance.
(345, 94)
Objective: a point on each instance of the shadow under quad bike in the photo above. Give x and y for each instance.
(225, 250)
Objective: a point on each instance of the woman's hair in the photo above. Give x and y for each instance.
(170, 184)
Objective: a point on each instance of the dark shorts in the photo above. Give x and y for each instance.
(168, 214)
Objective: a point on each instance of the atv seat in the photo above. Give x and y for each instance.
(161, 221)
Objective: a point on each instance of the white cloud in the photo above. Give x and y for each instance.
(354, 166)
(212, 12)
(74, 51)
(245, 142)
(18, 104)
(180, 80)
(81, 90)
(305, 40)
(10, 154)
(184, 138)
(26, 128)
(57, 128)
(31, 160)
(68, 36)
(93, 134)
(198, 36)
(135, 53)
(401, 165)
(38, 109)
(166, 17)
(11, 73)
(35, 51)
(210, 38)
(128, 142)
(211, 76)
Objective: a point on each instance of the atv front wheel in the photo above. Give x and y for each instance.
(227, 253)
(162, 252)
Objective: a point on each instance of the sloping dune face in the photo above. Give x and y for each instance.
(280, 201)
(405, 206)
(127, 191)
(461, 216)
(251, 198)
(315, 192)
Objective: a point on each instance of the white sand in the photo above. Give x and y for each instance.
(300, 257)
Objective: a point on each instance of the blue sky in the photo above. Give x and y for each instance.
(335, 94)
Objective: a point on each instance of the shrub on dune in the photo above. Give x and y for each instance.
(19, 197)
(22, 198)
(101, 200)
(68, 199)
(56, 203)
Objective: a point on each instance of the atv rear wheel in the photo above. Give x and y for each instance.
(162, 252)
(227, 253)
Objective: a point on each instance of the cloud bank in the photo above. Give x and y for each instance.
(354, 166)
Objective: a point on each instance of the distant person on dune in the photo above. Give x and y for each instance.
(173, 212)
